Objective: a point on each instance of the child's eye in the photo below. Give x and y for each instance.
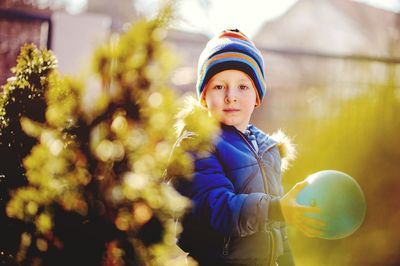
(243, 87)
(218, 87)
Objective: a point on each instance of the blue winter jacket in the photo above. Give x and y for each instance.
(235, 216)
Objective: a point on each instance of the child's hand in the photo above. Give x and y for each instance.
(294, 213)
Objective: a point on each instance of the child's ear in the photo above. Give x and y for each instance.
(203, 102)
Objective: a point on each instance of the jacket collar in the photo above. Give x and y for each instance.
(263, 140)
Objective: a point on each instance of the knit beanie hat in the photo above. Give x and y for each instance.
(231, 49)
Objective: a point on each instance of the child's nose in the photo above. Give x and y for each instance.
(231, 95)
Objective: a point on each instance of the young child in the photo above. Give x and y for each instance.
(239, 208)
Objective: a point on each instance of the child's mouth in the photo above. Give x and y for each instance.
(231, 110)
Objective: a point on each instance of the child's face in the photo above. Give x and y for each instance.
(231, 96)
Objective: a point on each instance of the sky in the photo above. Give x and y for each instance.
(212, 16)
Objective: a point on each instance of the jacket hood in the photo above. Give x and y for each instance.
(286, 148)
(278, 139)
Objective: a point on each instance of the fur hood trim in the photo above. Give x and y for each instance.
(194, 117)
(286, 148)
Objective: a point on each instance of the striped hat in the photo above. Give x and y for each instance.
(231, 49)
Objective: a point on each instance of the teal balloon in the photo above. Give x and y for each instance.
(340, 199)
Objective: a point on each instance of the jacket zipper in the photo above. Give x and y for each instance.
(272, 248)
(261, 165)
(259, 160)
(225, 250)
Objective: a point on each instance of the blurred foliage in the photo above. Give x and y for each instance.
(360, 137)
(90, 187)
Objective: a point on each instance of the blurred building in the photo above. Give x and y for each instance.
(20, 24)
(339, 27)
(187, 47)
(120, 12)
(320, 53)
(72, 37)
(75, 37)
